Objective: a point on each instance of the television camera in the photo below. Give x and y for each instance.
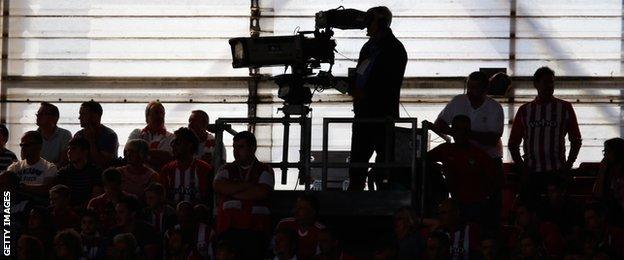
(303, 53)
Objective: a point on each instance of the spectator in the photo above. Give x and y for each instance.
(186, 178)
(530, 248)
(463, 237)
(195, 234)
(610, 238)
(243, 188)
(102, 140)
(92, 239)
(104, 205)
(305, 225)
(126, 215)
(29, 247)
(527, 222)
(227, 250)
(80, 175)
(63, 215)
(198, 123)
(491, 249)
(135, 176)
(609, 185)
(411, 244)
(543, 124)
(55, 139)
(285, 244)
(438, 246)
(36, 173)
(124, 247)
(39, 225)
(486, 128)
(470, 174)
(6, 156)
(156, 135)
(158, 213)
(560, 209)
(68, 245)
(175, 248)
(376, 93)
(329, 247)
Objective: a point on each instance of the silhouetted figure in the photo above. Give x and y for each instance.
(103, 141)
(542, 125)
(156, 135)
(304, 223)
(380, 70)
(471, 176)
(55, 139)
(198, 123)
(486, 128)
(609, 186)
(7, 157)
(80, 174)
(243, 188)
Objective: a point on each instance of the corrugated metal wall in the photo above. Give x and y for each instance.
(60, 50)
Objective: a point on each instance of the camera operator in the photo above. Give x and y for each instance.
(378, 79)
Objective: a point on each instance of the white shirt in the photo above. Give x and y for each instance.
(40, 173)
(489, 117)
(155, 141)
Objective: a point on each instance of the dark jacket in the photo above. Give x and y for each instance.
(377, 90)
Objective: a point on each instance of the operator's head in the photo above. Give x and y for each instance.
(380, 19)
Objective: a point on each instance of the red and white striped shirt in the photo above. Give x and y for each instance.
(543, 127)
(190, 184)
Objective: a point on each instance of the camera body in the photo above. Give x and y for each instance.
(303, 52)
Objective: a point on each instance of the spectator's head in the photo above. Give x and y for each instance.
(4, 135)
(477, 86)
(285, 243)
(154, 195)
(461, 127)
(490, 247)
(438, 245)
(39, 219)
(29, 247)
(544, 82)
(126, 211)
(111, 180)
(125, 246)
(529, 246)
(448, 212)
(202, 213)
(60, 197)
(78, 150)
(184, 143)
(198, 121)
(404, 222)
(227, 249)
(89, 222)
(184, 212)
(155, 114)
(31, 146)
(595, 217)
(68, 244)
(244, 147)
(613, 151)
(379, 19)
(328, 242)
(136, 152)
(525, 215)
(556, 192)
(90, 114)
(47, 115)
(306, 209)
